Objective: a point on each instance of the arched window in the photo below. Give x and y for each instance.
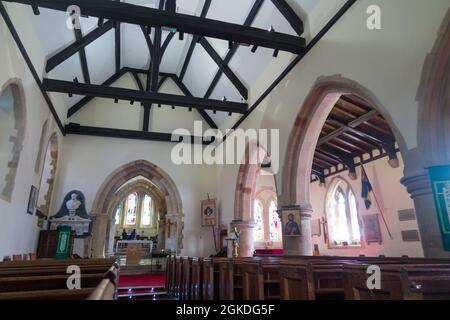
(12, 131)
(132, 203)
(258, 231)
(118, 214)
(274, 223)
(147, 211)
(342, 215)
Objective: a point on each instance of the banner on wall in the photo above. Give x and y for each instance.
(63, 243)
(209, 212)
(440, 182)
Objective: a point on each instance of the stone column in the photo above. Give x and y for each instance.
(246, 246)
(418, 185)
(301, 245)
(99, 234)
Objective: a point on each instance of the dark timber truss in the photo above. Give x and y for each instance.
(352, 129)
(112, 14)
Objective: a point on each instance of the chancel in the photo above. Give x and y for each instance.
(224, 150)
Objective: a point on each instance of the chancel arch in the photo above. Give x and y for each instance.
(304, 162)
(109, 196)
(148, 200)
(12, 132)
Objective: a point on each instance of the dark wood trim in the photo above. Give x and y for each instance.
(83, 59)
(74, 128)
(136, 95)
(133, 14)
(80, 104)
(193, 42)
(225, 68)
(30, 65)
(290, 15)
(299, 58)
(186, 92)
(118, 44)
(75, 47)
(248, 21)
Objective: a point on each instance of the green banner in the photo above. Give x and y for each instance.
(63, 244)
(440, 181)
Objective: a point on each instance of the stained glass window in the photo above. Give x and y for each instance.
(117, 216)
(132, 202)
(258, 231)
(275, 224)
(147, 210)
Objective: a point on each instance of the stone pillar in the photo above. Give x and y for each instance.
(99, 234)
(418, 185)
(298, 245)
(246, 245)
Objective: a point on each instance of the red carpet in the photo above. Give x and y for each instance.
(146, 280)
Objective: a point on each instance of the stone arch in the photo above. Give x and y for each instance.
(433, 138)
(140, 186)
(244, 196)
(48, 174)
(302, 143)
(305, 133)
(117, 179)
(19, 108)
(434, 101)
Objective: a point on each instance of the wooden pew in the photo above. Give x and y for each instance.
(196, 278)
(252, 280)
(399, 282)
(208, 284)
(187, 279)
(47, 279)
(178, 278)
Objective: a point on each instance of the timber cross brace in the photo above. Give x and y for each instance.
(152, 22)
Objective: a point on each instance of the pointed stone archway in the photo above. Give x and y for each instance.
(302, 144)
(107, 193)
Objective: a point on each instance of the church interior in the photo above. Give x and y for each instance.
(224, 150)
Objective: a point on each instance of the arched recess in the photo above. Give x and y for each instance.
(245, 193)
(139, 186)
(11, 140)
(48, 175)
(302, 144)
(107, 192)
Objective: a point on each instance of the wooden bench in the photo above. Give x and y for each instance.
(399, 282)
(47, 279)
(196, 279)
(187, 279)
(208, 284)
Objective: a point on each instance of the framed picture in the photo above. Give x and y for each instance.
(291, 222)
(208, 213)
(32, 200)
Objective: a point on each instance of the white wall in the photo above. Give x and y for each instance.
(388, 62)
(18, 230)
(391, 196)
(87, 161)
